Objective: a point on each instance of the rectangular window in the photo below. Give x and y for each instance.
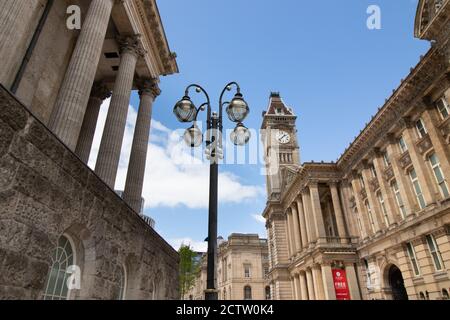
(398, 198)
(421, 130)
(361, 180)
(373, 171)
(386, 159)
(383, 208)
(434, 251)
(417, 188)
(413, 259)
(246, 271)
(439, 175)
(443, 108)
(369, 213)
(402, 145)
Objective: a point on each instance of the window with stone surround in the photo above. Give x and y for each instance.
(417, 188)
(62, 258)
(413, 258)
(421, 129)
(439, 175)
(369, 213)
(402, 145)
(361, 180)
(122, 284)
(383, 208)
(247, 293)
(373, 171)
(386, 159)
(443, 108)
(435, 253)
(247, 273)
(398, 198)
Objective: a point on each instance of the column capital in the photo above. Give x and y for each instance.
(333, 183)
(405, 122)
(313, 183)
(148, 87)
(100, 91)
(391, 138)
(131, 44)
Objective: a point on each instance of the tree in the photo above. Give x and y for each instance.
(189, 269)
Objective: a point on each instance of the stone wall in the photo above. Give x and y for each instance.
(46, 192)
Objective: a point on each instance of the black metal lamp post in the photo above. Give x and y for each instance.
(186, 112)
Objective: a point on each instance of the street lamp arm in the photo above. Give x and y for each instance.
(221, 104)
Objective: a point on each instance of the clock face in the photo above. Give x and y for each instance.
(283, 137)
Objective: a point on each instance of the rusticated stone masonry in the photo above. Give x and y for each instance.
(47, 191)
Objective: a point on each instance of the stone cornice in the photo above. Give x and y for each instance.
(406, 97)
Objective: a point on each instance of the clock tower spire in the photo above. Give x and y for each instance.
(279, 137)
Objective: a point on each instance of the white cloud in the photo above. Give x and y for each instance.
(195, 245)
(173, 177)
(259, 218)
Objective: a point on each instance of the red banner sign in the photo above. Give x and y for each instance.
(341, 285)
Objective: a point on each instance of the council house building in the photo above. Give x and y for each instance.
(375, 224)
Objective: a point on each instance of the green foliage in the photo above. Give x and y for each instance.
(189, 269)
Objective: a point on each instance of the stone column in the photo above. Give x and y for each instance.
(70, 106)
(309, 219)
(136, 169)
(98, 94)
(310, 284)
(288, 237)
(291, 233)
(338, 210)
(13, 15)
(328, 283)
(111, 144)
(295, 287)
(385, 188)
(298, 287)
(352, 280)
(373, 202)
(402, 181)
(440, 146)
(352, 224)
(317, 212)
(427, 185)
(318, 282)
(303, 286)
(361, 208)
(301, 215)
(296, 228)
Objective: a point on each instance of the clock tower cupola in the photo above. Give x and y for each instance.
(279, 138)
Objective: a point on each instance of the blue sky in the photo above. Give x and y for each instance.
(320, 55)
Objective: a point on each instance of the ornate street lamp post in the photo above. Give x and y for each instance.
(186, 112)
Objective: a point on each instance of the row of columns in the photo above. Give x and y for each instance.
(77, 106)
(304, 223)
(424, 173)
(316, 283)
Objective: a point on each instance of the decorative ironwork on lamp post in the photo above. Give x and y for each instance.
(186, 112)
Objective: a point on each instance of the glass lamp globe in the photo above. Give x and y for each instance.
(240, 135)
(193, 137)
(185, 110)
(238, 109)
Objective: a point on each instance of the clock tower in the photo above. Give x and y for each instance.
(279, 137)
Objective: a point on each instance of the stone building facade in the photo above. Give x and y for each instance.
(242, 270)
(376, 224)
(59, 220)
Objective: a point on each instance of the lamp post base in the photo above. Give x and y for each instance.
(211, 294)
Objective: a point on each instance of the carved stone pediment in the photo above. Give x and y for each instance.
(424, 144)
(389, 173)
(374, 184)
(405, 160)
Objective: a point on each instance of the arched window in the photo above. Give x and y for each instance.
(247, 293)
(62, 259)
(268, 295)
(445, 295)
(122, 284)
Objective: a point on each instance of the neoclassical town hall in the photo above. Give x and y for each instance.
(376, 224)
(58, 218)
